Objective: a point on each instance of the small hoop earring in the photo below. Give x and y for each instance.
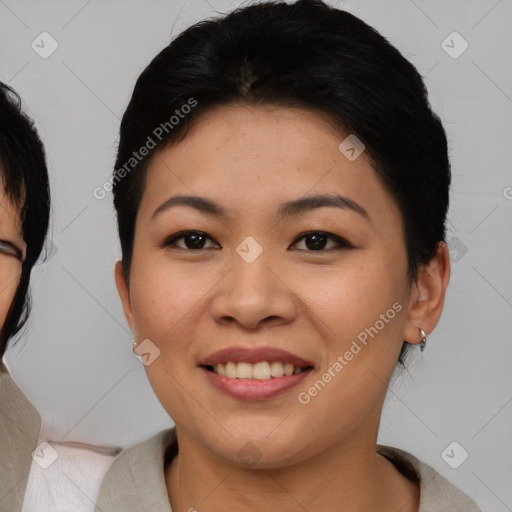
(134, 346)
(423, 342)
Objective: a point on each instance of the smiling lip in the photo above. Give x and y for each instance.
(253, 356)
(253, 389)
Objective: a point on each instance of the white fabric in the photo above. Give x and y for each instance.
(70, 483)
(66, 476)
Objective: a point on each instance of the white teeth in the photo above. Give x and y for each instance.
(276, 369)
(231, 370)
(259, 371)
(244, 371)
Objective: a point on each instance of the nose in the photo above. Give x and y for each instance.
(253, 295)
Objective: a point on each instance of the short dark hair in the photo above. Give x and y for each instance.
(25, 184)
(305, 55)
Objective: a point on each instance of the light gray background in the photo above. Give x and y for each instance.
(75, 361)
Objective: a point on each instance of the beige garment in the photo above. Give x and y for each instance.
(136, 482)
(65, 479)
(19, 430)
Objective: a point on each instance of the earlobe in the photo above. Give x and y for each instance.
(427, 296)
(124, 293)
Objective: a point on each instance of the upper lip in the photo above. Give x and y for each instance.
(253, 355)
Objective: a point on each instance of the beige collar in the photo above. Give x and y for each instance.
(19, 430)
(136, 480)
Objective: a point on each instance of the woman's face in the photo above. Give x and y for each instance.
(12, 248)
(262, 264)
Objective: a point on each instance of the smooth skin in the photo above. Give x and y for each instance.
(11, 240)
(192, 302)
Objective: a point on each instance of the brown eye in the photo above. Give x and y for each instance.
(189, 240)
(319, 241)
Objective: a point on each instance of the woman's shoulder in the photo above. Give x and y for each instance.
(43, 475)
(19, 429)
(437, 494)
(136, 479)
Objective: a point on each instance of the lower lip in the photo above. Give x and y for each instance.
(254, 389)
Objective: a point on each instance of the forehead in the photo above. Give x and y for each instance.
(237, 130)
(252, 156)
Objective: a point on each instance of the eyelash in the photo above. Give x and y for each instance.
(170, 242)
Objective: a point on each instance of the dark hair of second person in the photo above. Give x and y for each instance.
(25, 186)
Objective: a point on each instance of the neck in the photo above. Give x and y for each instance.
(351, 476)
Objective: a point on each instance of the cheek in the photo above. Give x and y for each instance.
(168, 308)
(346, 300)
(360, 313)
(8, 285)
(167, 300)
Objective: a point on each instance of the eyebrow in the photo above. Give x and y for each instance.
(293, 207)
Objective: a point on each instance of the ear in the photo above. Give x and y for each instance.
(124, 293)
(427, 295)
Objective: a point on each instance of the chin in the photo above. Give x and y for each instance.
(259, 448)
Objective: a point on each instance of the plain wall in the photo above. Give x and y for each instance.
(75, 361)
